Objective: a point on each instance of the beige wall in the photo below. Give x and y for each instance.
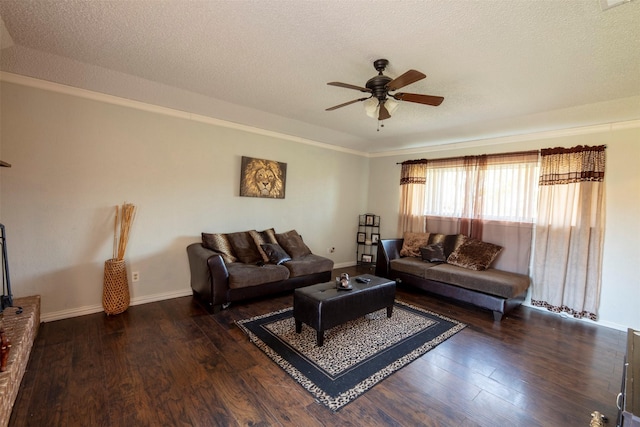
(74, 159)
(620, 280)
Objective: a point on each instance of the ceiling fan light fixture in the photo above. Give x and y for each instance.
(371, 107)
(381, 104)
(391, 105)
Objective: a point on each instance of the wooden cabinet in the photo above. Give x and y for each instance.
(629, 398)
(367, 239)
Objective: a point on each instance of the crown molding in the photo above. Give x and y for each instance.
(156, 109)
(559, 133)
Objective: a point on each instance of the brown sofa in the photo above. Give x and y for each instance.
(237, 266)
(496, 290)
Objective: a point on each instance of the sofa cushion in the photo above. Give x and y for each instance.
(308, 264)
(292, 243)
(244, 247)
(219, 243)
(411, 265)
(413, 242)
(262, 237)
(275, 253)
(474, 255)
(494, 282)
(243, 275)
(433, 253)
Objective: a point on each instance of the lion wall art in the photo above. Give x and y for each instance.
(262, 178)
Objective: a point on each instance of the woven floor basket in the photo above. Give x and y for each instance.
(115, 294)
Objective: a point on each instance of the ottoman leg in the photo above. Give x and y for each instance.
(389, 310)
(320, 338)
(298, 326)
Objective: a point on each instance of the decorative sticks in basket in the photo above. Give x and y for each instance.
(115, 294)
(128, 212)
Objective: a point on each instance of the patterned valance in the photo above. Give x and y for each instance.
(413, 173)
(571, 165)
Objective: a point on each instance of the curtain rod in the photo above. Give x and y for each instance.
(408, 162)
(576, 148)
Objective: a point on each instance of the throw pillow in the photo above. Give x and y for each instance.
(262, 237)
(433, 253)
(276, 254)
(474, 255)
(436, 238)
(219, 243)
(452, 242)
(412, 243)
(244, 247)
(449, 241)
(292, 243)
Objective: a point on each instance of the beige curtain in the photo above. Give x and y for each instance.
(471, 222)
(412, 193)
(570, 231)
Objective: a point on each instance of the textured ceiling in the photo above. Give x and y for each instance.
(504, 67)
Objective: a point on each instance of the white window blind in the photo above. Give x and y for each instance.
(500, 188)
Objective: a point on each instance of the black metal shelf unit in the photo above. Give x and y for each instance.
(367, 239)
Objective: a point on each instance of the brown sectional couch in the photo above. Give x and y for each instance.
(496, 290)
(236, 266)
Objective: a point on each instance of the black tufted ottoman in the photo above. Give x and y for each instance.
(322, 306)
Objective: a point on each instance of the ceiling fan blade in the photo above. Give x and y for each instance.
(348, 86)
(407, 78)
(420, 99)
(345, 104)
(384, 113)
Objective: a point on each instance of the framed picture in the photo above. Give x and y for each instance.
(262, 178)
(369, 219)
(367, 258)
(375, 237)
(361, 237)
(376, 221)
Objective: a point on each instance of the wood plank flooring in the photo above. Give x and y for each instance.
(170, 363)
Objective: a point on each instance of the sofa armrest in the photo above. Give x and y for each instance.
(219, 280)
(198, 256)
(209, 275)
(388, 249)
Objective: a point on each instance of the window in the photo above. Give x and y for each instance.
(489, 197)
(494, 187)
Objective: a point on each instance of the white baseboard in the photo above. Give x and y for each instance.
(91, 309)
(345, 264)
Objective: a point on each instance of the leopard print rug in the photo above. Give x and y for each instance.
(356, 355)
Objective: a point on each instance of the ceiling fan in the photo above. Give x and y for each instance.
(379, 103)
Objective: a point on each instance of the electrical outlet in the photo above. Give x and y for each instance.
(331, 250)
(135, 276)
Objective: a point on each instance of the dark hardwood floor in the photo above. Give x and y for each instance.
(171, 363)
